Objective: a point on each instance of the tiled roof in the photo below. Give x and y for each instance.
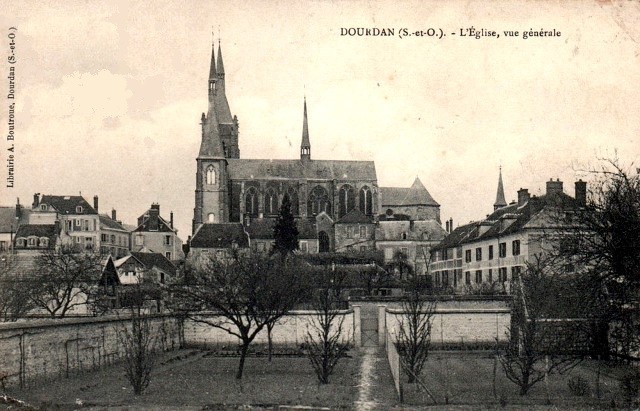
(150, 260)
(355, 216)
(247, 169)
(108, 222)
(263, 228)
(518, 217)
(149, 221)
(221, 235)
(68, 204)
(417, 194)
(8, 222)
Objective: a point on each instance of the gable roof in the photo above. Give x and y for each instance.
(109, 273)
(423, 230)
(262, 228)
(68, 204)
(355, 216)
(417, 194)
(252, 169)
(108, 222)
(220, 235)
(150, 260)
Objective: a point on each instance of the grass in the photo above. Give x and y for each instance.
(194, 378)
(467, 378)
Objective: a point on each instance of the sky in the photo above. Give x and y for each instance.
(108, 96)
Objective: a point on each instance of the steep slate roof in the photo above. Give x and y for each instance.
(392, 230)
(68, 204)
(220, 235)
(417, 194)
(305, 128)
(500, 201)
(520, 217)
(355, 216)
(8, 222)
(222, 105)
(163, 225)
(109, 275)
(150, 260)
(108, 222)
(263, 228)
(254, 169)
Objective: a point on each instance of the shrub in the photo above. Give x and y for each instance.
(630, 387)
(578, 386)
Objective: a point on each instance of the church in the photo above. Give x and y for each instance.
(237, 199)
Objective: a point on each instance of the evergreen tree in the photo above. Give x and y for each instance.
(285, 231)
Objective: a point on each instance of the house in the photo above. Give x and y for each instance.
(156, 234)
(114, 237)
(354, 231)
(260, 234)
(144, 267)
(218, 241)
(489, 253)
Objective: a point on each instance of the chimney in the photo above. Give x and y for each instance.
(523, 196)
(36, 200)
(18, 209)
(554, 187)
(448, 230)
(450, 224)
(581, 193)
(113, 214)
(95, 203)
(171, 219)
(154, 213)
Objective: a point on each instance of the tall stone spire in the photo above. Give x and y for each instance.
(222, 105)
(500, 201)
(211, 145)
(212, 69)
(305, 146)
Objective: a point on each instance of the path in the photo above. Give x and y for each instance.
(376, 391)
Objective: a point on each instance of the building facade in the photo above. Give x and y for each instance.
(155, 234)
(486, 255)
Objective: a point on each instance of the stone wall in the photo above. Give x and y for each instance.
(291, 330)
(40, 349)
(459, 323)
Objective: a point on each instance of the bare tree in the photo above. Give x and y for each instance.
(63, 279)
(240, 292)
(139, 344)
(540, 345)
(603, 242)
(14, 290)
(325, 343)
(413, 339)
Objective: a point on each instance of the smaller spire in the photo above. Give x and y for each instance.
(500, 201)
(212, 69)
(220, 64)
(305, 146)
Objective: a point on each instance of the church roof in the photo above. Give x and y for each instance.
(250, 169)
(220, 235)
(417, 194)
(500, 201)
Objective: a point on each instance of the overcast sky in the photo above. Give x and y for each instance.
(109, 96)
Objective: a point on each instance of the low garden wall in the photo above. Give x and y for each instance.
(48, 348)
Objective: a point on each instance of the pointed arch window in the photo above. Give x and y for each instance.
(270, 201)
(318, 201)
(346, 199)
(251, 202)
(211, 218)
(211, 175)
(366, 201)
(292, 195)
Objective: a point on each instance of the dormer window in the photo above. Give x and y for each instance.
(78, 209)
(44, 242)
(20, 242)
(32, 242)
(43, 207)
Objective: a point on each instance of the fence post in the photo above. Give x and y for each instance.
(357, 327)
(382, 325)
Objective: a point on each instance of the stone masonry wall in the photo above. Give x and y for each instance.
(42, 349)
